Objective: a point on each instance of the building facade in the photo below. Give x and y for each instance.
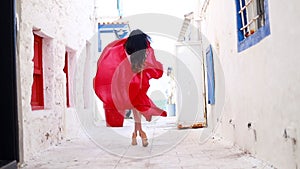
(56, 53)
(255, 44)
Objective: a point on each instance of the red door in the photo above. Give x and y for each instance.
(37, 97)
(66, 70)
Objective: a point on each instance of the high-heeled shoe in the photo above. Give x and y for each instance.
(133, 141)
(144, 138)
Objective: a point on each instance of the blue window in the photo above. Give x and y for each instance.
(252, 22)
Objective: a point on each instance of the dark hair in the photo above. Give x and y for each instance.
(136, 46)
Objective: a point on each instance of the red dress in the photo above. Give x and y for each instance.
(119, 88)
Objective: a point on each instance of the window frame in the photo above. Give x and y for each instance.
(262, 32)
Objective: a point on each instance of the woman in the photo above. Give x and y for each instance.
(122, 79)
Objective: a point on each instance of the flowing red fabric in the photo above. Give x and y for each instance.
(119, 88)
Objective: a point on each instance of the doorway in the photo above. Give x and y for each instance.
(9, 149)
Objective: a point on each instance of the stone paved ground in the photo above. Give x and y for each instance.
(169, 148)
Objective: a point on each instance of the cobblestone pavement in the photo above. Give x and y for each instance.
(169, 148)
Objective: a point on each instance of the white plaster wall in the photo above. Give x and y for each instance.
(261, 83)
(64, 25)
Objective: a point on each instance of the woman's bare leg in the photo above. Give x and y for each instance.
(137, 121)
(138, 127)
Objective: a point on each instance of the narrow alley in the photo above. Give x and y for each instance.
(182, 149)
(214, 83)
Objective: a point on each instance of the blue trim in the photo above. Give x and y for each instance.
(99, 41)
(111, 26)
(123, 35)
(239, 21)
(107, 31)
(120, 36)
(210, 75)
(261, 33)
(252, 40)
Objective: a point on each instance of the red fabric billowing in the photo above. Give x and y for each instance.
(119, 88)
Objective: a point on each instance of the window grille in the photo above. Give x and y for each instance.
(252, 16)
(252, 22)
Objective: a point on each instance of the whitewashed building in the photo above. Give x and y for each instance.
(63, 34)
(257, 93)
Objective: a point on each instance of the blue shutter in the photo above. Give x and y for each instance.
(210, 75)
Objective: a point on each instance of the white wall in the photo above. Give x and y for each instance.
(261, 83)
(63, 28)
